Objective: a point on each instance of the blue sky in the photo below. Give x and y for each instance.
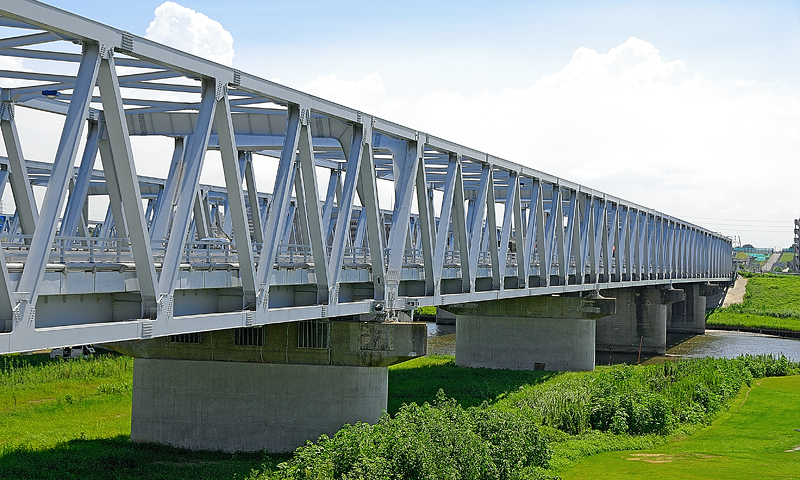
(509, 43)
(698, 115)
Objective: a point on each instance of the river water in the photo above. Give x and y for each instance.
(715, 343)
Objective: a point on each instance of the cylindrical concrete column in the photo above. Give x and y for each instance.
(530, 333)
(688, 316)
(640, 322)
(240, 406)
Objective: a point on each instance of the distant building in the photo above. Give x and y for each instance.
(795, 264)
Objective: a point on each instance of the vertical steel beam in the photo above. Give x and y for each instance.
(32, 273)
(608, 224)
(235, 211)
(128, 181)
(27, 212)
(187, 194)
(622, 242)
(77, 199)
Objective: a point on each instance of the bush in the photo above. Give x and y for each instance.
(436, 441)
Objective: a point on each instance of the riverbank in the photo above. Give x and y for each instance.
(771, 305)
(757, 437)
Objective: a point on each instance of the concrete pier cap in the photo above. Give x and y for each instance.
(270, 387)
(530, 333)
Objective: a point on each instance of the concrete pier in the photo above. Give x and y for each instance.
(689, 316)
(530, 333)
(265, 388)
(241, 406)
(640, 321)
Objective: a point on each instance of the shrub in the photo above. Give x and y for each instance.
(436, 441)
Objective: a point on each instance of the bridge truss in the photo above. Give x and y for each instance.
(173, 256)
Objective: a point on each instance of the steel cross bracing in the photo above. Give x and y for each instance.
(173, 256)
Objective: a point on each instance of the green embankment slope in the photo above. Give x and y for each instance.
(771, 302)
(757, 437)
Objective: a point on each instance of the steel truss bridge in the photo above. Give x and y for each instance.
(173, 256)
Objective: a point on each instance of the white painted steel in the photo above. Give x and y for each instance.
(285, 257)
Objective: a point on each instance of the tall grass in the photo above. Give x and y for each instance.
(32, 371)
(573, 414)
(641, 400)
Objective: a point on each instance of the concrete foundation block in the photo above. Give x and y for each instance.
(243, 406)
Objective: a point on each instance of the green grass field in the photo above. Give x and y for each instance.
(757, 438)
(771, 301)
(71, 419)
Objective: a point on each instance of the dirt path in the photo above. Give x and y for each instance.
(771, 262)
(735, 294)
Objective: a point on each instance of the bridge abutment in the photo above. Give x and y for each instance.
(530, 333)
(640, 321)
(265, 388)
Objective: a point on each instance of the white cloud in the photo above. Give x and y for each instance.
(191, 31)
(631, 124)
(355, 94)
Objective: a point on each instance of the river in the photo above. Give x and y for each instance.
(715, 343)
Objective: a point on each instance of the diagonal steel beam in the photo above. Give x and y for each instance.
(162, 216)
(476, 228)
(32, 273)
(236, 208)
(278, 209)
(252, 196)
(195, 154)
(405, 186)
(307, 193)
(425, 209)
(125, 169)
(77, 199)
(491, 233)
(20, 183)
(508, 215)
(342, 232)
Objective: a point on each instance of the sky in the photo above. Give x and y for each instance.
(688, 107)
